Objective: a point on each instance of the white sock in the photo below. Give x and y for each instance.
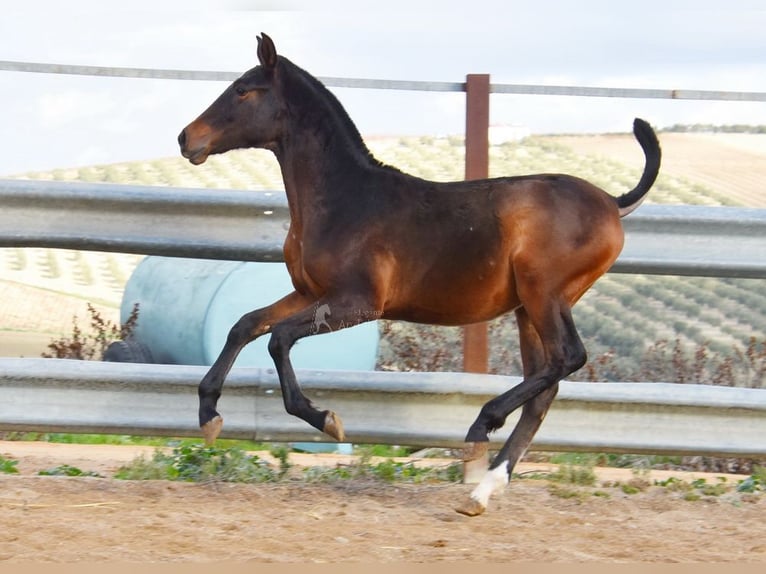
(494, 480)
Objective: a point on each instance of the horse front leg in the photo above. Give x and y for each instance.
(326, 315)
(248, 328)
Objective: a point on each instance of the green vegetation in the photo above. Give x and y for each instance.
(383, 450)
(756, 482)
(198, 463)
(388, 471)
(72, 438)
(68, 470)
(574, 474)
(8, 466)
(576, 481)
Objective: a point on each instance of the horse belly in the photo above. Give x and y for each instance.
(457, 297)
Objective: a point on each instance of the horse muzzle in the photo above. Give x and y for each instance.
(195, 143)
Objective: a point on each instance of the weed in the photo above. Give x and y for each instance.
(383, 450)
(390, 471)
(714, 489)
(91, 346)
(198, 463)
(756, 482)
(8, 466)
(567, 493)
(706, 489)
(635, 485)
(674, 484)
(77, 438)
(67, 470)
(571, 474)
(629, 489)
(141, 468)
(282, 453)
(339, 472)
(697, 488)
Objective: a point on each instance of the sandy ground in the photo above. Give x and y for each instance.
(56, 519)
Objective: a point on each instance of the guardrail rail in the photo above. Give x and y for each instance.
(251, 226)
(426, 409)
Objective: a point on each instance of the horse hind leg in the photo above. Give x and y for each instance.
(546, 361)
(498, 475)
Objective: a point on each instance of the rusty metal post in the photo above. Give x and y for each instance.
(475, 338)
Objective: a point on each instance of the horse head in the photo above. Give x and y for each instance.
(249, 113)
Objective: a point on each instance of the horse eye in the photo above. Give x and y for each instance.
(241, 91)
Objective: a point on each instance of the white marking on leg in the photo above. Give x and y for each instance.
(494, 480)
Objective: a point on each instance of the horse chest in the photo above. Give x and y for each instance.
(304, 266)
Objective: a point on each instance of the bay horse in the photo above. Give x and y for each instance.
(367, 241)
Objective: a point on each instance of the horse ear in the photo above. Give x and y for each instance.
(267, 53)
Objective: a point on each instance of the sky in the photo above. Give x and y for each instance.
(54, 121)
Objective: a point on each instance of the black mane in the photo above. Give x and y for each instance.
(319, 103)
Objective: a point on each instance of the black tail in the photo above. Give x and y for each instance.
(648, 140)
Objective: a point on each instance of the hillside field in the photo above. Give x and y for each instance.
(43, 289)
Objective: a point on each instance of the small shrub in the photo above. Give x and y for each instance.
(674, 484)
(282, 453)
(199, 463)
(570, 474)
(141, 468)
(91, 346)
(567, 493)
(635, 485)
(754, 483)
(8, 466)
(389, 471)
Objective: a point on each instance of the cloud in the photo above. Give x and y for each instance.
(73, 107)
(59, 120)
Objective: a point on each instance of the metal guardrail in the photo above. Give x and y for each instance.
(251, 226)
(418, 409)
(196, 223)
(413, 85)
(432, 409)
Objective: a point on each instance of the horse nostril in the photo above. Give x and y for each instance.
(182, 138)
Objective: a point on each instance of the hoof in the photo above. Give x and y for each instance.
(333, 426)
(470, 507)
(211, 429)
(475, 450)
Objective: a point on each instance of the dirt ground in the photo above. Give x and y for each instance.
(57, 519)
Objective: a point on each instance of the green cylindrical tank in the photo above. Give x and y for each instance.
(187, 306)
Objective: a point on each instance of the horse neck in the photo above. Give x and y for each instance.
(319, 155)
